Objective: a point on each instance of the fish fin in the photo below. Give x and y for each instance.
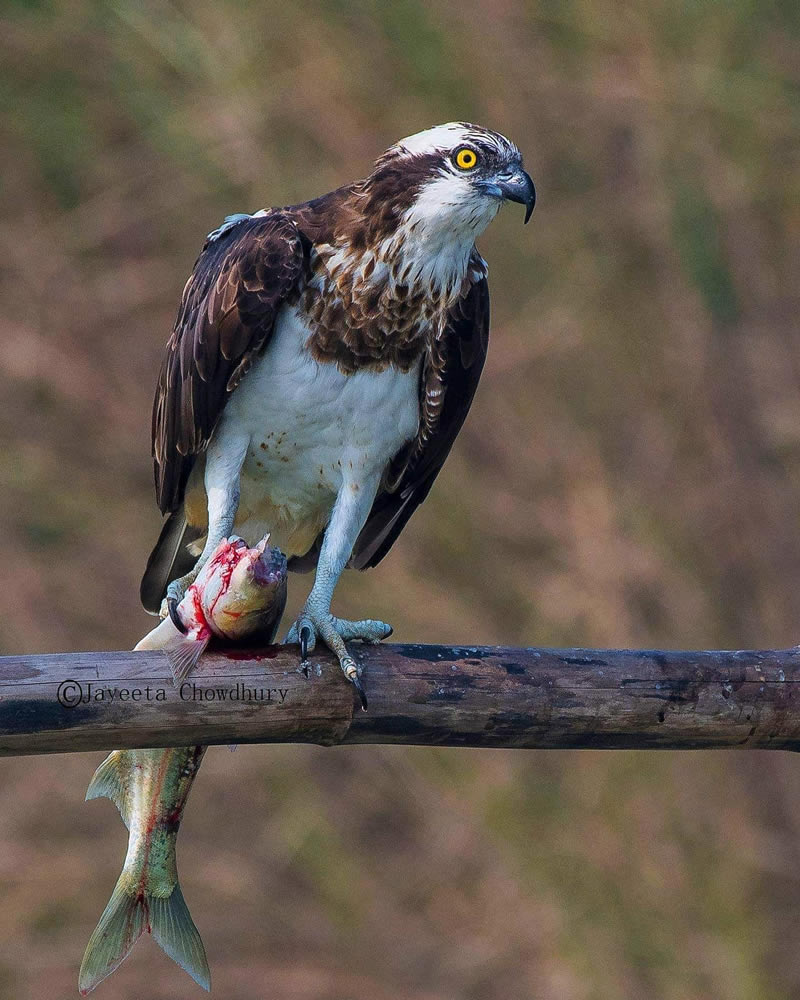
(183, 654)
(111, 780)
(173, 928)
(122, 923)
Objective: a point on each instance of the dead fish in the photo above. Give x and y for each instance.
(149, 787)
(241, 595)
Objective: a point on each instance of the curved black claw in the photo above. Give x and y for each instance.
(362, 694)
(172, 607)
(305, 638)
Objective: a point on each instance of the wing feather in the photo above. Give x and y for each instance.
(226, 317)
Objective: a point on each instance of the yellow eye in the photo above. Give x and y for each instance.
(466, 158)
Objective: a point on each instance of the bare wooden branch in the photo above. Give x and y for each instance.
(434, 695)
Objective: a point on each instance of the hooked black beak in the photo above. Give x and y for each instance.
(513, 184)
(518, 187)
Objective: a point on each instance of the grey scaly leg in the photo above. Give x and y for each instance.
(315, 621)
(224, 459)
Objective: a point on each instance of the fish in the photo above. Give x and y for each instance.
(242, 597)
(228, 600)
(150, 788)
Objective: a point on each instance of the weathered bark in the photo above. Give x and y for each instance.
(434, 695)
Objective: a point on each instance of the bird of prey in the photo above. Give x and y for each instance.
(322, 362)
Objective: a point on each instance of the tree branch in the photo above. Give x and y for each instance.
(432, 695)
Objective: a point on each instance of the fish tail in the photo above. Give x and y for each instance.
(126, 917)
(174, 929)
(121, 925)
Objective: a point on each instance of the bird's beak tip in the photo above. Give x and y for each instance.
(520, 188)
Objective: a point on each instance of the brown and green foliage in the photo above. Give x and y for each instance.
(630, 475)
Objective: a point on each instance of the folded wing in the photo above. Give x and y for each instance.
(226, 318)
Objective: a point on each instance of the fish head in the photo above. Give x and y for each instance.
(266, 564)
(246, 596)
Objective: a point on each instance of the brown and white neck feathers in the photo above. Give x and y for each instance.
(384, 280)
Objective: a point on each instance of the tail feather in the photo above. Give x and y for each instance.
(127, 916)
(169, 559)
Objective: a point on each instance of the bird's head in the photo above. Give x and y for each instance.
(416, 217)
(456, 177)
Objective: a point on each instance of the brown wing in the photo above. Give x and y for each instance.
(448, 382)
(226, 318)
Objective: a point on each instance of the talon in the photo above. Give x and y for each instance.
(379, 640)
(351, 673)
(361, 692)
(305, 638)
(172, 607)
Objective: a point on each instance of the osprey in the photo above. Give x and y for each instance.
(323, 360)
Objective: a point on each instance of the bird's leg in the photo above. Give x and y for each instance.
(224, 459)
(315, 621)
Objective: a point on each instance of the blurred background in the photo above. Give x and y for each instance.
(629, 475)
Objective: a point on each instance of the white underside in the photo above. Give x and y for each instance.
(307, 430)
